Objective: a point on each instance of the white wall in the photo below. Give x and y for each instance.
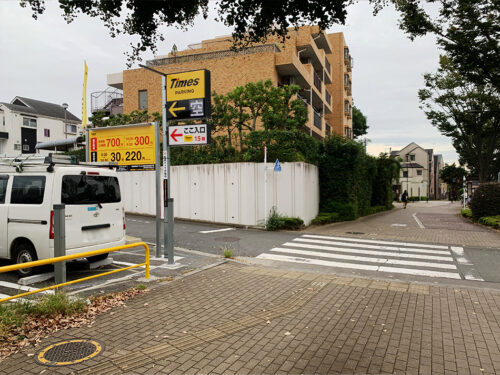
(230, 193)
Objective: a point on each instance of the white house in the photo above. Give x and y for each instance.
(25, 122)
(415, 175)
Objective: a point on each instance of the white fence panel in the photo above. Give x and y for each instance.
(231, 193)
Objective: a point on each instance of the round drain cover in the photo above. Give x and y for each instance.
(69, 352)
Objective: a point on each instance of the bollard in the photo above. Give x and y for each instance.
(59, 242)
(169, 229)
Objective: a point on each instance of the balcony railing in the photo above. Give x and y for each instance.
(213, 55)
(327, 66)
(328, 97)
(317, 119)
(109, 101)
(317, 81)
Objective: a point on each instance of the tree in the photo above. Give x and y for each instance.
(359, 125)
(466, 30)
(252, 20)
(453, 176)
(285, 111)
(100, 119)
(467, 113)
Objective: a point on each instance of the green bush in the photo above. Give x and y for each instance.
(345, 211)
(486, 200)
(325, 218)
(466, 213)
(374, 209)
(277, 221)
(416, 199)
(492, 221)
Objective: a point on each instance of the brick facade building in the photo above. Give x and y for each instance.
(319, 63)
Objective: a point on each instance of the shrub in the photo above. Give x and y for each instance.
(486, 200)
(492, 221)
(227, 252)
(325, 218)
(374, 209)
(345, 211)
(466, 213)
(416, 199)
(277, 221)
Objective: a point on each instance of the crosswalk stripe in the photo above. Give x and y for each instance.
(370, 252)
(366, 259)
(320, 262)
(362, 240)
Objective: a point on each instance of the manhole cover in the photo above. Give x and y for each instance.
(68, 352)
(355, 232)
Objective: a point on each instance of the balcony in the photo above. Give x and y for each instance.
(328, 129)
(317, 81)
(109, 101)
(349, 63)
(328, 98)
(328, 68)
(317, 120)
(348, 132)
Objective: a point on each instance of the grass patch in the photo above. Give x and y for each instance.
(466, 213)
(14, 314)
(140, 287)
(277, 221)
(227, 252)
(491, 221)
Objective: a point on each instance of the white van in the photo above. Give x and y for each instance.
(95, 216)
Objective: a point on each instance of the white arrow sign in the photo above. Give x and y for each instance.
(189, 135)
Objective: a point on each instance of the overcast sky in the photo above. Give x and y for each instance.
(43, 59)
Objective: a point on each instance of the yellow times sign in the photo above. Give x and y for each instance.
(187, 85)
(132, 145)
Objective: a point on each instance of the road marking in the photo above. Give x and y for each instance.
(460, 255)
(418, 221)
(216, 230)
(365, 259)
(320, 262)
(24, 288)
(369, 252)
(398, 225)
(387, 248)
(362, 240)
(469, 276)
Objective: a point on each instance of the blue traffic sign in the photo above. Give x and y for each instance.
(277, 166)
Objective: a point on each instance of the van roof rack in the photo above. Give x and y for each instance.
(23, 160)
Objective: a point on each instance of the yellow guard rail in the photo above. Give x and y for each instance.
(43, 262)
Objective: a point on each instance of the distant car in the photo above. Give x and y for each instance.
(95, 216)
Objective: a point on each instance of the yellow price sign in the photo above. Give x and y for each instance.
(125, 145)
(188, 85)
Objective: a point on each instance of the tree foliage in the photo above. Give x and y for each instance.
(359, 125)
(453, 176)
(467, 113)
(467, 31)
(252, 20)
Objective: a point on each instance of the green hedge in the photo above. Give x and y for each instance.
(486, 200)
(326, 218)
(492, 221)
(416, 199)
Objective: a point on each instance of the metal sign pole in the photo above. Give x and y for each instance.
(168, 220)
(158, 189)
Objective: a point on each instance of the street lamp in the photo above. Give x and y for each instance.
(65, 106)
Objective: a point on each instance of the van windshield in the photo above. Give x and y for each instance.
(84, 189)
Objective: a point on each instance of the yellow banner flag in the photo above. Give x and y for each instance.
(84, 96)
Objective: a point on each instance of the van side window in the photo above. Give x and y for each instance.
(3, 187)
(84, 189)
(28, 190)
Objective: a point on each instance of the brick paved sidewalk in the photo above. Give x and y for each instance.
(441, 220)
(235, 319)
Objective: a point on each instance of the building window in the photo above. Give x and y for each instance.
(346, 79)
(70, 128)
(405, 174)
(143, 99)
(46, 132)
(412, 157)
(346, 53)
(419, 172)
(30, 122)
(17, 147)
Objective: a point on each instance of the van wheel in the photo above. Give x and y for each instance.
(95, 258)
(25, 252)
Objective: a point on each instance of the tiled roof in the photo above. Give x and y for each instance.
(39, 107)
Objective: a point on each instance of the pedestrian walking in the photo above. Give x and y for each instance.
(404, 198)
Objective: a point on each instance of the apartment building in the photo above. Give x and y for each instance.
(26, 122)
(319, 63)
(420, 170)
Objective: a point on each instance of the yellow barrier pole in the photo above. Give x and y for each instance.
(75, 256)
